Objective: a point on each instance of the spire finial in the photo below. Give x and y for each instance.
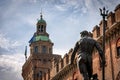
(41, 14)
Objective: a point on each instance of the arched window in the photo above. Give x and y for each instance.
(44, 49)
(118, 47)
(36, 49)
(41, 28)
(39, 75)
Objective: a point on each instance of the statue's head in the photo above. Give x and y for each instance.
(84, 33)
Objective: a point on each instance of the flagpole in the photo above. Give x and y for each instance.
(25, 53)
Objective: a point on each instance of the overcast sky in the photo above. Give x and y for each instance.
(65, 20)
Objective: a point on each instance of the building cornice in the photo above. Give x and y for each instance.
(63, 72)
(110, 31)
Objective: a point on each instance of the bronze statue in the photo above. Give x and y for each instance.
(84, 47)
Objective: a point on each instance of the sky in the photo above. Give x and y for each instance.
(65, 20)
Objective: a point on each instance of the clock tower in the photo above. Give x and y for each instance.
(41, 53)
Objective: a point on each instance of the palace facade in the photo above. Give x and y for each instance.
(43, 65)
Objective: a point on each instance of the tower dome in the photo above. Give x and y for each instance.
(41, 20)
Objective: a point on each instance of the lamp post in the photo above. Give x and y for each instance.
(103, 13)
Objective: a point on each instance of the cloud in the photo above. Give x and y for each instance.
(69, 5)
(65, 19)
(61, 8)
(7, 45)
(10, 66)
(11, 59)
(3, 51)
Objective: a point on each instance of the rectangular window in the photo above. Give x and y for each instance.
(118, 47)
(118, 51)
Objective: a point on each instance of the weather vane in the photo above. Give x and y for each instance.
(41, 11)
(41, 14)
